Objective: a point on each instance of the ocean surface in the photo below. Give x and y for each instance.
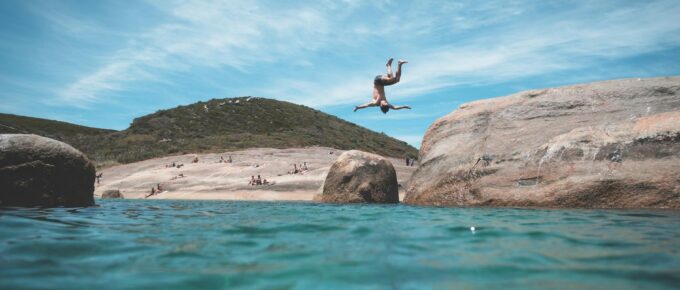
(154, 244)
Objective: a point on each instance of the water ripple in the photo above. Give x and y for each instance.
(131, 244)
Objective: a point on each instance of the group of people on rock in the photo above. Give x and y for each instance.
(410, 161)
(257, 181)
(228, 160)
(181, 175)
(155, 190)
(174, 165)
(299, 169)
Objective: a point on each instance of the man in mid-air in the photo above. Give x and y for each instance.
(379, 84)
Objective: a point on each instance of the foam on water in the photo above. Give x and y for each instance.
(132, 244)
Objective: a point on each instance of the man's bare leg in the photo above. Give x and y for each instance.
(389, 67)
(366, 105)
(393, 80)
(399, 64)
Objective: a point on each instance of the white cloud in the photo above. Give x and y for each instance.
(555, 42)
(232, 34)
(242, 34)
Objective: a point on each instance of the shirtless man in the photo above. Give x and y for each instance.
(379, 84)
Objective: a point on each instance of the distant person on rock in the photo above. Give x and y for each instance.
(379, 84)
(153, 191)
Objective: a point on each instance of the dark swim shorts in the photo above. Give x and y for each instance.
(378, 80)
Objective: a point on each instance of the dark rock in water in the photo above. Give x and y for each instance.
(38, 171)
(112, 193)
(613, 144)
(360, 177)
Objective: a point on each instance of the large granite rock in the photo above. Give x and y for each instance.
(360, 177)
(606, 144)
(38, 171)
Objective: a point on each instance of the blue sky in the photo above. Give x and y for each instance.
(103, 63)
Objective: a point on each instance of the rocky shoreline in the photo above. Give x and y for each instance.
(210, 179)
(612, 144)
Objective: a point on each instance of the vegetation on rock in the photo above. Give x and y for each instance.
(212, 126)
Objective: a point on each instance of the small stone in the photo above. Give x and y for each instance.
(112, 193)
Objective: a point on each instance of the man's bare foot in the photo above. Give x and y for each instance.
(356, 108)
(401, 61)
(389, 61)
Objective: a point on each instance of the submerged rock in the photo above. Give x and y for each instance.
(360, 177)
(39, 171)
(606, 144)
(112, 193)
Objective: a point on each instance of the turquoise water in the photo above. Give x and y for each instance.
(139, 244)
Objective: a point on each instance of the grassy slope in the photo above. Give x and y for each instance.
(227, 124)
(77, 136)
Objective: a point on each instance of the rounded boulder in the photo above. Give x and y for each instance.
(39, 171)
(112, 193)
(360, 177)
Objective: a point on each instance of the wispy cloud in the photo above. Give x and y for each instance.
(489, 42)
(569, 40)
(233, 34)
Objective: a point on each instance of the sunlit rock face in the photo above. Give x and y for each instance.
(361, 177)
(606, 144)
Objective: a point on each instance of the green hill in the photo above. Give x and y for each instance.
(215, 125)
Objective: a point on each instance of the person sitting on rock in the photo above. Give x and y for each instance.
(259, 180)
(379, 84)
(305, 166)
(252, 180)
(153, 191)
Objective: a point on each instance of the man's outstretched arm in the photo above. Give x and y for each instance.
(399, 107)
(366, 105)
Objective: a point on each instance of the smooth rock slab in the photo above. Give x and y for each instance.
(360, 177)
(612, 144)
(39, 171)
